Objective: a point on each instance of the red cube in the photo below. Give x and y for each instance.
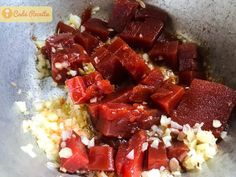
(142, 34)
(66, 60)
(88, 41)
(177, 150)
(129, 158)
(157, 157)
(79, 159)
(122, 13)
(153, 78)
(64, 28)
(168, 96)
(141, 93)
(84, 88)
(206, 101)
(166, 51)
(97, 27)
(101, 158)
(129, 59)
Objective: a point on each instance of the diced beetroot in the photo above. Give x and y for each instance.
(121, 120)
(168, 96)
(188, 64)
(157, 157)
(154, 78)
(108, 65)
(64, 28)
(187, 51)
(65, 60)
(131, 166)
(91, 86)
(129, 59)
(122, 13)
(177, 150)
(186, 77)
(116, 119)
(97, 27)
(142, 34)
(101, 158)
(88, 41)
(141, 93)
(86, 14)
(166, 51)
(151, 12)
(206, 101)
(79, 159)
(55, 42)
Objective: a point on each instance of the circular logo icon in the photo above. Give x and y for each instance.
(7, 13)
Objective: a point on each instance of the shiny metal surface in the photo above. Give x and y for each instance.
(211, 22)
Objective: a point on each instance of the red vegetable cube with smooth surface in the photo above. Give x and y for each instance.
(64, 28)
(186, 77)
(79, 159)
(153, 78)
(177, 150)
(142, 34)
(57, 42)
(122, 13)
(129, 59)
(157, 157)
(97, 27)
(108, 65)
(206, 101)
(88, 41)
(188, 51)
(101, 158)
(125, 166)
(166, 51)
(168, 96)
(66, 60)
(151, 12)
(84, 88)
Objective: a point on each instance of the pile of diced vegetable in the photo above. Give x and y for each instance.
(129, 103)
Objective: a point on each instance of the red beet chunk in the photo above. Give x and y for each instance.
(166, 51)
(204, 102)
(120, 96)
(86, 14)
(131, 166)
(121, 120)
(129, 59)
(84, 88)
(57, 42)
(178, 150)
(187, 55)
(101, 158)
(64, 28)
(142, 34)
(186, 77)
(79, 159)
(151, 12)
(97, 27)
(168, 96)
(88, 41)
(141, 93)
(154, 78)
(157, 157)
(108, 65)
(66, 60)
(122, 13)
(116, 119)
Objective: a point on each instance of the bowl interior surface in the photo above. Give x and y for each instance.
(209, 22)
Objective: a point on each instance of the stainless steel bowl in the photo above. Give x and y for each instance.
(210, 22)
